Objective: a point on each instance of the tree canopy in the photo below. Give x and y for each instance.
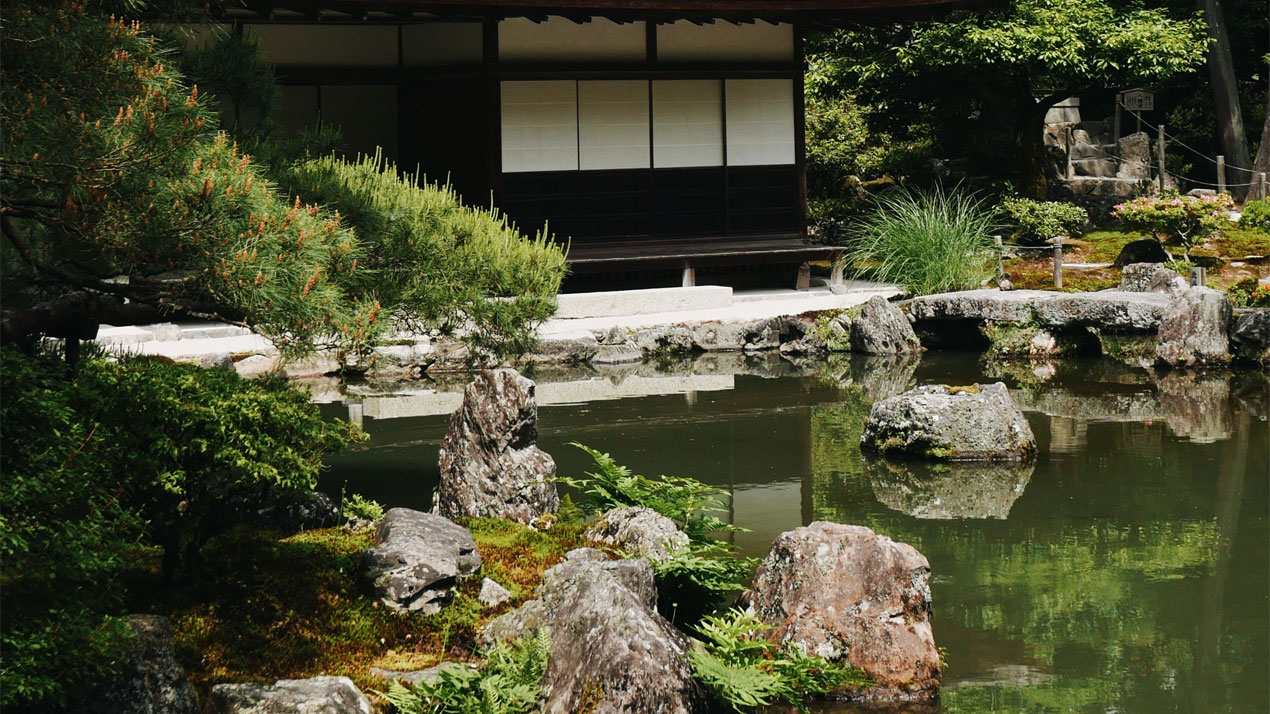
(122, 203)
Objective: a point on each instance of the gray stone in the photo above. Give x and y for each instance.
(570, 350)
(849, 595)
(799, 337)
(492, 594)
(606, 640)
(1106, 309)
(1195, 330)
(165, 331)
(995, 305)
(319, 695)
(975, 423)
(1145, 250)
(625, 353)
(409, 679)
(491, 466)
(614, 336)
(255, 366)
(419, 559)
(883, 328)
(663, 340)
(837, 333)
(639, 531)
(1135, 156)
(1151, 278)
(151, 680)
(948, 491)
(216, 360)
(1250, 336)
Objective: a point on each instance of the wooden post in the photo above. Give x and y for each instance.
(1160, 146)
(1221, 174)
(1115, 131)
(1071, 173)
(804, 277)
(690, 276)
(1058, 261)
(1000, 249)
(1261, 184)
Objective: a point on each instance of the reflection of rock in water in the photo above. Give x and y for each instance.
(1022, 371)
(882, 376)
(1197, 405)
(1068, 436)
(1252, 393)
(947, 491)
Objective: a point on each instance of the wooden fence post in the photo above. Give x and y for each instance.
(1221, 174)
(1000, 249)
(1160, 143)
(1058, 261)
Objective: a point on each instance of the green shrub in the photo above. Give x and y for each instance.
(508, 683)
(745, 670)
(1036, 222)
(355, 507)
(1186, 220)
(927, 241)
(1256, 214)
(1249, 293)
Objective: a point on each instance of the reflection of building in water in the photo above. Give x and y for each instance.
(1067, 435)
(948, 490)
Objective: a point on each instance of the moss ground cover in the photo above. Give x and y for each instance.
(272, 607)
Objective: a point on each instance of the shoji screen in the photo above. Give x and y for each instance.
(687, 123)
(613, 125)
(540, 126)
(760, 121)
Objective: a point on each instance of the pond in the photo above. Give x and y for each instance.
(1127, 571)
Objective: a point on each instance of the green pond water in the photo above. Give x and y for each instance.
(1127, 571)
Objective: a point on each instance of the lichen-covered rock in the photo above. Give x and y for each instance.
(1194, 331)
(849, 595)
(948, 491)
(607, 641)
(799, 337)
(492, 594)
(663, 340)
(318, 695)
(1250, 337)
(975, 423)
(1151, 278)
(151, 680)
(491, 466)
(882, 328)
(565, 350)
(617, 353)
(419, 559)
(639, 531)
(1105, 309)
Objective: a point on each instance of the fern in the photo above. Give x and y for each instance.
(745, 670)
(508, 683)
(692, 581)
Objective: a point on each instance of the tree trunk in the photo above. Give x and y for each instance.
(1262, 163)
(1221, 74)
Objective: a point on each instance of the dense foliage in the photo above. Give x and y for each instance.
(927, 241)
(1036, 222)
(112, 167)
(113, 455)
(508, 682)
(744, 669)
(1188, 220)
(1256, 214)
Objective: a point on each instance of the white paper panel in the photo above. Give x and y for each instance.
(540, 126)
(721, 41)
(439, 44)
(366, 116)
(687, 123)
(328, 45)
(760, 121)
(613, 125)
(297, 106)
(560, 39)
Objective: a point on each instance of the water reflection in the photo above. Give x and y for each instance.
(1125, 571)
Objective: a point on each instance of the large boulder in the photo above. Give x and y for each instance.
(491, 466)
(1135, 156)
(151, 681)
(882, 328)
(319, 695)
(419, 559)
(607, 641)
(1145, 250)
(639, 531)
(1250, 336)
(1195, 330)
(975, 423)
(736, 336)
(849, 595)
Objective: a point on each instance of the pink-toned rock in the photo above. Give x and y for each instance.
(845, 593)
(491, 466)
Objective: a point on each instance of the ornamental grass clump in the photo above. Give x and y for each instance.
(1187, 220)
(927, 241)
